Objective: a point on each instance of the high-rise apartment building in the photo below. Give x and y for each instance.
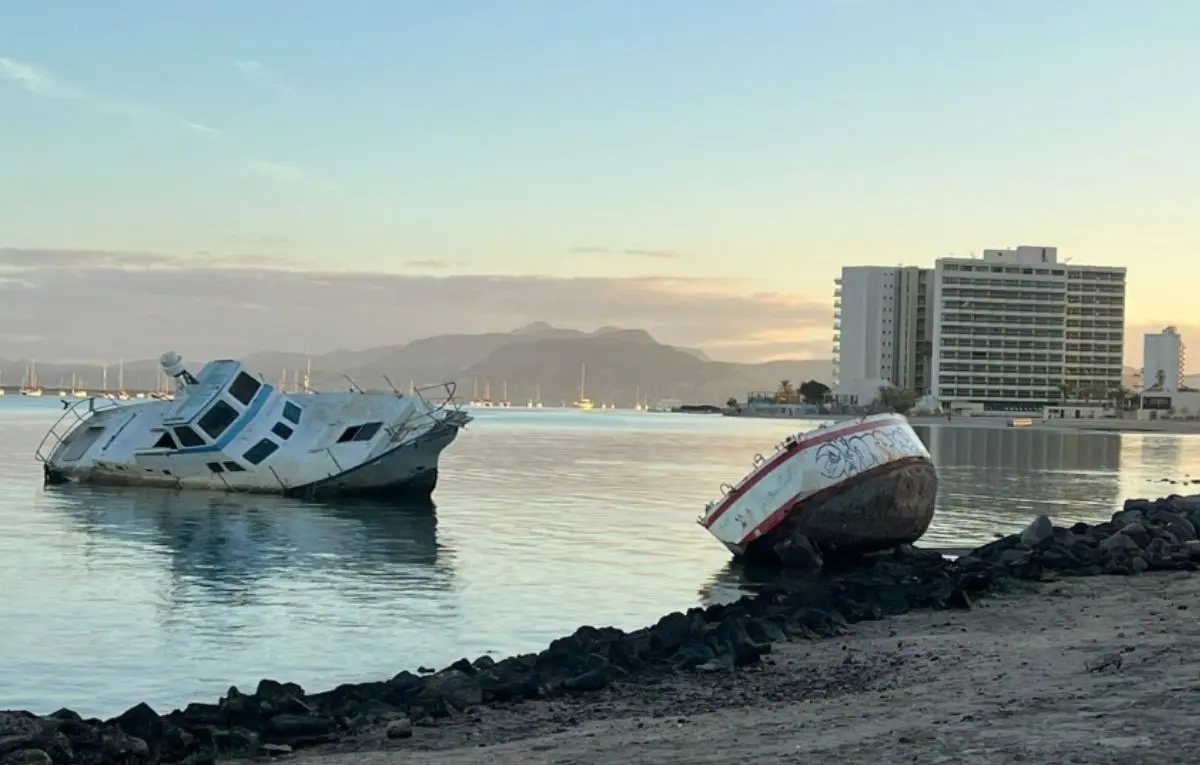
(882, 330)
(1013, 330)
(1017, 329)
(1163, 361)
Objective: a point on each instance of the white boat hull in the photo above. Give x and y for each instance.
(230, 432)
(855, 486)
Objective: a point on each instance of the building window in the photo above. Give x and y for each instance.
(283, 431)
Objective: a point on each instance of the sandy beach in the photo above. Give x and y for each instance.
(1098, 670)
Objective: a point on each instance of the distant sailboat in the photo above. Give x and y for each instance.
(31, 387)
(536, 401)
(584, 402)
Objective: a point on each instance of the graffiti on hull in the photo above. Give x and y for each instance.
(850, 455)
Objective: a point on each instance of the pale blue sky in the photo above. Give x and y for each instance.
(773, 141)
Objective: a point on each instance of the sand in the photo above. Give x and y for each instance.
(1100, 670)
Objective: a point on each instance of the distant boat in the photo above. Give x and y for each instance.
(584, 402)
(31, 387)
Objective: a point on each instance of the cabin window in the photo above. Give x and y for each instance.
(187, 436)
(233, 467)
(219, 417)
(244, 387)
(216, 467)
(291, 413)
(283, 431)
(260, 451)
(360, 432)
(368, 431)
(165, 442)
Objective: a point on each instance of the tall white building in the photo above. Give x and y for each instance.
(1017, 330)
(1163, 361)
(881, 329)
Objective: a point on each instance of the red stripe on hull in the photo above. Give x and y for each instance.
(774, 519)
(802, 445)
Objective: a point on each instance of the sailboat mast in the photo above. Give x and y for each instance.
(582, 380)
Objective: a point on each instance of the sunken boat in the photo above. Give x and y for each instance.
(850, 487)
(228, 429)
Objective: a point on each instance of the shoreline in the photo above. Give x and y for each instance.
(1121, 425)
(585, 689)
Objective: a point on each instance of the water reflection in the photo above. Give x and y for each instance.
(220, 548)
(994, 481)
(1032, 449)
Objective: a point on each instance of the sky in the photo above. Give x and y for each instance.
(303, 175)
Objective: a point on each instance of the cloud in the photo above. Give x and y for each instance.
(435, 265)
(202, 129)
(30, 78)
(40, 82)
(288, 174)
(219, 306)
(255, 71)
(655, 254)
(592, 249)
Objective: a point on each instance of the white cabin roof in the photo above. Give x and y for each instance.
(209, 383)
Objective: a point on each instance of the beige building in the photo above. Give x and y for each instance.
(1017, 330)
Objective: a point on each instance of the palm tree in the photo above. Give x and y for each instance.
(786, 392)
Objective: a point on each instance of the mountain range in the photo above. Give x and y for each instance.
(615, 365)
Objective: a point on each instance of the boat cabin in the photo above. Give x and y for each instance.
(215, 413)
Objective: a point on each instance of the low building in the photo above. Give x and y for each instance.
(859, 391)
(1170, 405)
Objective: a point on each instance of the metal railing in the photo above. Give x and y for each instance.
(82, 411)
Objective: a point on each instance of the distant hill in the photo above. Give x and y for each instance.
(620, 364)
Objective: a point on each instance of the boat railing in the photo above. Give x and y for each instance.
(81, 411)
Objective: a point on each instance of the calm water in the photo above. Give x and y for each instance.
(546, 520)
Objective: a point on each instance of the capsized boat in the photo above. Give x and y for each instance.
(228, 429)
(853, 486)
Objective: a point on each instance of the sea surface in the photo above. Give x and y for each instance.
(546, 520)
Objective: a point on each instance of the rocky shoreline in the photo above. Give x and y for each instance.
(280, 718)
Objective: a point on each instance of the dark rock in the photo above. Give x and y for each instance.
(300, 730)
(402, 728)
(28, 757)
(144, 723)
(450, 689)
(797, 553)
(235, 744)
(1039, 529)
